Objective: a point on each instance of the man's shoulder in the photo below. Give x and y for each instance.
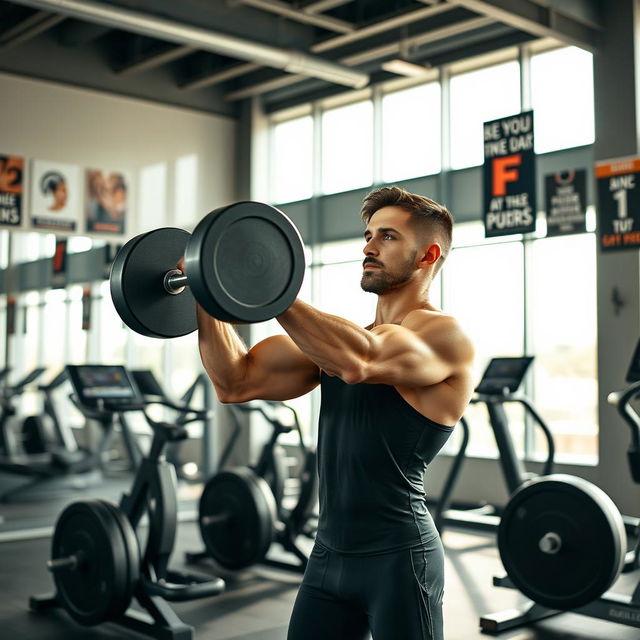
(442, 332)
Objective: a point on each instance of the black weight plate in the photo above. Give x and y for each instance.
(245, 262)
(132, 548)
(137, 285)
(593, 541)
(244, 532)
(100, 588)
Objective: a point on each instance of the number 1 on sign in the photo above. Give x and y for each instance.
(621, 197)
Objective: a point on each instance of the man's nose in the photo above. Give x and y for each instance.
(370, 249)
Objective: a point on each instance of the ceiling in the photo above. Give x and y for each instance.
(211, 55)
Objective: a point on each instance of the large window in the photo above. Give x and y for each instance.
(483, 289)
(27, 340)
(146, 353)
(185, 364)
(291, 161)
(340, 293)
(25, 346)
(562, 98)
(476, 97)
(4, 248)
(76, 351)
(563, 336)
(411, 126)
(113, 334)
(54, 333)
(347, 147)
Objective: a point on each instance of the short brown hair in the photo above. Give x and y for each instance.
(428, 215)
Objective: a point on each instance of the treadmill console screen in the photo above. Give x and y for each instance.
(504, 373)
(111, 383)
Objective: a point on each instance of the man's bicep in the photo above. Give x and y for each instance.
(277, 370)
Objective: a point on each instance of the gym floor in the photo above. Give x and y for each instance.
(257, 602)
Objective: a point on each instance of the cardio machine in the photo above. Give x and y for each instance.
(243, 510)
(498, 387)
(153, 393)
(563, 541)
(49, 455)
(98, 561)
(46, 432)
(9, 394)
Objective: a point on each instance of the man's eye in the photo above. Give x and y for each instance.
(388, 235)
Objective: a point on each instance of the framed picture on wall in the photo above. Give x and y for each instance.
(106, 201)
(55, 196)
(11, 176)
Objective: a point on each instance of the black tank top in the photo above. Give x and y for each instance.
(373, 449)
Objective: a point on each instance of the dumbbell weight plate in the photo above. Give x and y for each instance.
(247, 512)
(137, 285)
(245, 262)
(592, 535)
(101, 587)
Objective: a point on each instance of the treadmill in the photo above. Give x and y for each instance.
(498, 387)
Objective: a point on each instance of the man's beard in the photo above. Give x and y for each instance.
(378, 282)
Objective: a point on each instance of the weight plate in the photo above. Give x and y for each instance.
(245, 262)
(137, 285)
(132, 548)
(237, 518)
(100, 587)
(562, 541)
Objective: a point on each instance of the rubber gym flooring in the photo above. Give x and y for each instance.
(257, 602)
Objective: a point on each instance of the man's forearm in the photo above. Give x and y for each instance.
(336, 345)
(223, 353)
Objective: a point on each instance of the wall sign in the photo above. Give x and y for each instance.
(618, 189)
(509, 174)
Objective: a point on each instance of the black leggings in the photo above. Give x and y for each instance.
(395, 596)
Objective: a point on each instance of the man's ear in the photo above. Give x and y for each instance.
(430, 256)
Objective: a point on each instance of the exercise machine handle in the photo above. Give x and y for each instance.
(183, 587)
(551, 448)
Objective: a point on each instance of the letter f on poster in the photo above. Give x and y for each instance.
(504, 172)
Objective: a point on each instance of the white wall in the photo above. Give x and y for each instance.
(42, 120)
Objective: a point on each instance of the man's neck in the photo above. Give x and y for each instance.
(392, 309)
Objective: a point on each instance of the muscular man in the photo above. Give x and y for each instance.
(391, 393)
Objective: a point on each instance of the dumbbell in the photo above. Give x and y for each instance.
(244, 263)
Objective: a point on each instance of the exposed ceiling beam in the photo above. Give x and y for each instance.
(216, 77)
(29, 28)
(535, 19)
(153, 26)
(263, 87)
(585, 11)
(154, 60)
(286, 10)
(369, 55)
(417, 41)
(380, 27)
(318, 6)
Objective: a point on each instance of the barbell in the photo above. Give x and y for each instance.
(244, 262)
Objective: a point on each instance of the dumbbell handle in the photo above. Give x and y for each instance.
(207, 521)
(175, 282)
(66, 562)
